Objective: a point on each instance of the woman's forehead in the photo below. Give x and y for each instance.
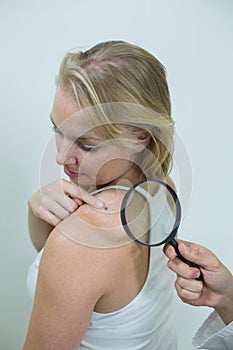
(63, 106)
(69, 118)
(76, 126)
(94, 121)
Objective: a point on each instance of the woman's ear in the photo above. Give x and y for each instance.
(143, 138)
(141, 141)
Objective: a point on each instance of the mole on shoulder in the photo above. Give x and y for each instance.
(105, 208)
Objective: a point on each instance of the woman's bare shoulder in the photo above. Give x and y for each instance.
(87, 235)
(85, 240)
(100, 228)
(90, 240)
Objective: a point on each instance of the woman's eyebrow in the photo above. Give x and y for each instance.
(81, 138)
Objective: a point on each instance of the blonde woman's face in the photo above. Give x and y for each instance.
(89, 159)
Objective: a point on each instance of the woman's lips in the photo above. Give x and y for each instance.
(71, 174)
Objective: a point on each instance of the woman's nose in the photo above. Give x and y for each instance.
(66, 160)
(65, 156)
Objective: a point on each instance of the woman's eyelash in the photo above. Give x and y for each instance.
(87, 148)
(55, 129)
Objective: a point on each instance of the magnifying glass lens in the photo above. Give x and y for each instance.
(149, 213)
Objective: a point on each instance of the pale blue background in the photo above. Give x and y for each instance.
(193, 39)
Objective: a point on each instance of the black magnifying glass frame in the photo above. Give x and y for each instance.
(170, 239)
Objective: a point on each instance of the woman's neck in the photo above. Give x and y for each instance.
(128, 179)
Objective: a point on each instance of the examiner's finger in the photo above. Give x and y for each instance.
(192, 285)
(182, 269)
(187, 296)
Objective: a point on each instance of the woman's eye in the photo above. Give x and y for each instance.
(86, 148)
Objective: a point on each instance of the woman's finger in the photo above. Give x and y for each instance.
(49, 217)
(70, 204)
(59, 211)
(77, 192)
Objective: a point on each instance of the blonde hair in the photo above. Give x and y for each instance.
(117, 72)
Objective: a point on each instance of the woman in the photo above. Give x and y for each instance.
(96, 289)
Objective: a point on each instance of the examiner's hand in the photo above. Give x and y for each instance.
(56, 201)
(216, 289)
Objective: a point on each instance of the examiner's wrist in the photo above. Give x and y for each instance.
(224, 308)
(226, 313)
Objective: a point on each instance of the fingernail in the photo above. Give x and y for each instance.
(197, 274)
(99, 204)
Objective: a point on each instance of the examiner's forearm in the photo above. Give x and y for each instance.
(39, 230)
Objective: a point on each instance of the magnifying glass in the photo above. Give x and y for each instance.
(151, 214)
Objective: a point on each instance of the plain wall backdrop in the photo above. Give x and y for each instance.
(193, 39)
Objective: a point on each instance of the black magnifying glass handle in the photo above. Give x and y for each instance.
(175, 245)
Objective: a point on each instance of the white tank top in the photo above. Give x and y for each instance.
(146, 323)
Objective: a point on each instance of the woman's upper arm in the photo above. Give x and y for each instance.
(70, 281)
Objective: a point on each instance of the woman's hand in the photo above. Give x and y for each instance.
(56, 201)
(216, 289)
